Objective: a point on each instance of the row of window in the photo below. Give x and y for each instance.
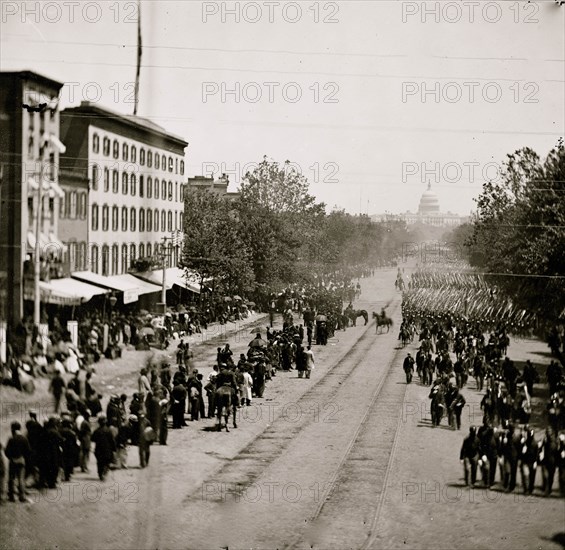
(147, 187)
(129, 154)
(115, 260)
(73, 205)
(147, 219)
(48, 211)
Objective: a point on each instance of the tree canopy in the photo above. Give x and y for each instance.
(518, 232)
(276, 234)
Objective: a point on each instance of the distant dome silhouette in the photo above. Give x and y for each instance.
(429, 203)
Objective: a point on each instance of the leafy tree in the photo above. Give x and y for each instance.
(212, 247)
(278, 220)
(519, 230)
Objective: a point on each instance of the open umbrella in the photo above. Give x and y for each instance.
(227, 299)
(250, 303)
(147, 331)
(321, 318)
(236, 297)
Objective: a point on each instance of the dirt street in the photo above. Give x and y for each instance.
(346, 459)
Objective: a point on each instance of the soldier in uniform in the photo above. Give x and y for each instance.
(528, 460)
(509, 453)
(479, 371)
(548, 457)
(488, 453)
(530, 376)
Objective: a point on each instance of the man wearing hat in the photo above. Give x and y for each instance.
(146, 439)
(105, 447)
(34, 434)
(469, 455)
(17, 451)
(408, 367)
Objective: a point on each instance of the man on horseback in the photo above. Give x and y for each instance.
(226, 395)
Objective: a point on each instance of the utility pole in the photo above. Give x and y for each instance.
(37, 258)
(164, 267)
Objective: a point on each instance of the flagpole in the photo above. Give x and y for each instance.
(139, 49)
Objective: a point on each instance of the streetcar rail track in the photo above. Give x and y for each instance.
(349, 458)
(257, 458)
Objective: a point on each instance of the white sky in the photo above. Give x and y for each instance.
(369, 145)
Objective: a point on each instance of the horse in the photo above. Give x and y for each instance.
(225, 401)
(353, 314)
(382, 321)
(404, 336)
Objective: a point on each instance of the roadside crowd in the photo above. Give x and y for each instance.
(42, 455)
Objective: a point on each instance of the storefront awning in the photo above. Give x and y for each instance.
(64, 292)
(143, 287)
(129, 285)
(43, 240)
(173, 276)
(77, 288)
(48, 245)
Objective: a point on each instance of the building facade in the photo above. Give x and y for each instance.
(429, 213)
(124, 179)
(29, 187)
(217, 186)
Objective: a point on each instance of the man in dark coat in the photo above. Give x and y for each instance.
(530, 376)
(105, 447)
(57, 388)
(488, 453)
(178, 404)
(509, 451)
(300, 361)
(17, 451)
(408, 366)
(259, 373)
(84, 435)
(69, 449)
(164, 427)
(50, 453)
(469, 455)
(548, 458)
(528, 460)
(34, 433)
(153, 411)
(146, 439)
(456, 408)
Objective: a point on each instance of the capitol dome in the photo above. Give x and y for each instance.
(429, 203)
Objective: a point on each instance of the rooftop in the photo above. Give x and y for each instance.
(91, 109)
(32, 75)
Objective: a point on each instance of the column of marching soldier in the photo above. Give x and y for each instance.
(505, 441)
